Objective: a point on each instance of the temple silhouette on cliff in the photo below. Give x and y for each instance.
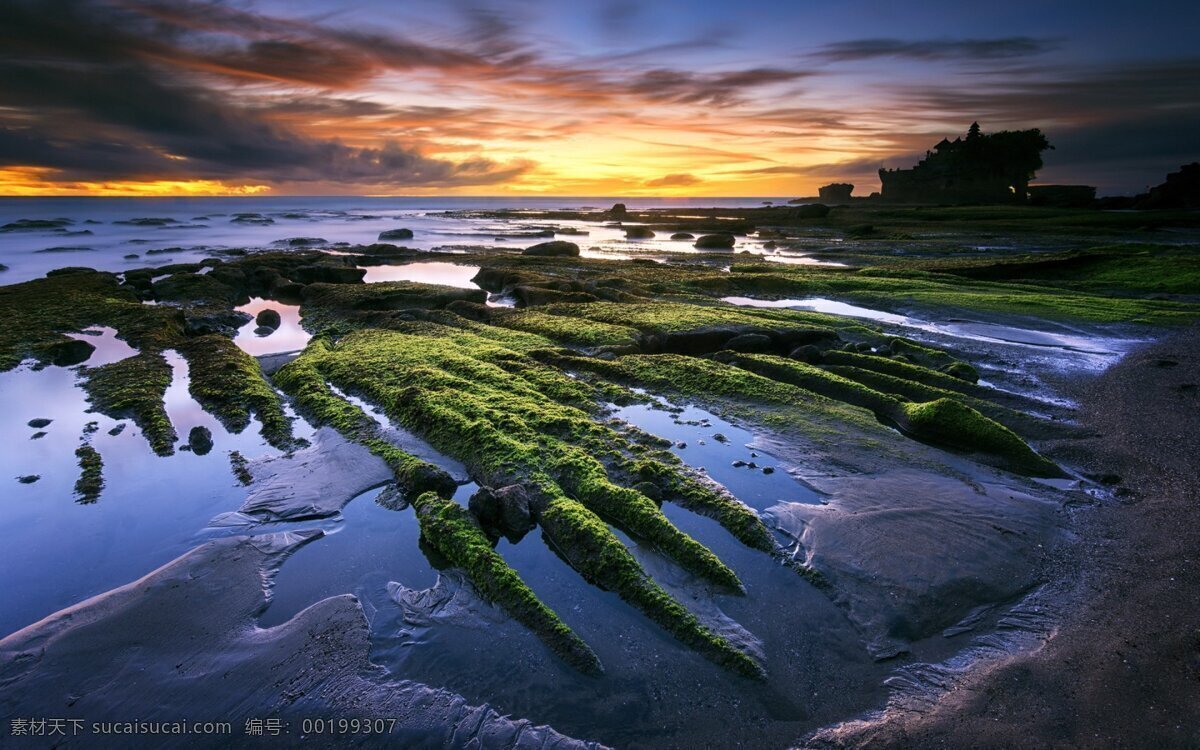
(981, 168)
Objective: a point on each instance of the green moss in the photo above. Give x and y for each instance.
(954, 425)
(228, 383)
(568, 330)
(315, 399)
(134, 388)
(913, 391)
(453, 533)
(816, 380)
(700, 497)
(36, 314)
(899, 370)
(507, 417)
(890, 289)
(673, 317)
(583, 539)
(91, 475)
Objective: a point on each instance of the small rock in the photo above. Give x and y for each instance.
(639, 233)
(268, 318)
(681, 445)
(200, 440)
(683, 236)
(751, 465)
(117, 430)
(39, 423)
(768, 470)
(37, 436)
(738, 464)
(29, 478)
(263, 331)
(720, 438)
(753, 454)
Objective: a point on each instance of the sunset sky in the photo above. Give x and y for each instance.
(587, 97)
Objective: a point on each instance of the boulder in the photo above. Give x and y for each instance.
(556, 248)
(750, 342)
(618, 209)
(638, 233)
(807, 353)
(715, 242)
(683, 236)
(39, 423)
(396, 234)
(268, 318)
(810, 211)
(505, 510)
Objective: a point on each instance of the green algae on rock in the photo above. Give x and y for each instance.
(453, 533)
(506, 416)
(133, 388)
(303, 382)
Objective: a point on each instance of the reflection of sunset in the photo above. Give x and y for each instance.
(109, 98)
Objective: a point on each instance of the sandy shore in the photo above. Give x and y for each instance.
(1124, 668)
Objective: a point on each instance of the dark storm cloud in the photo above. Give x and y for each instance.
(96, 91)
(935, 49)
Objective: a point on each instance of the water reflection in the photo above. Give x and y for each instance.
(290, 336)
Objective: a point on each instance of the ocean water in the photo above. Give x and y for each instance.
(116, 234)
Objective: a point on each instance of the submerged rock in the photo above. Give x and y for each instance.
(683, 236)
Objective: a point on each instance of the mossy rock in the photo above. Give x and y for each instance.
(956, 426)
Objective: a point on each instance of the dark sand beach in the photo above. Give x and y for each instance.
(1123, 669)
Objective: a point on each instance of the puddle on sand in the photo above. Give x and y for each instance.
(109, 348)
(697, 430)
(365, 547)
(290, 336)
(59, 552)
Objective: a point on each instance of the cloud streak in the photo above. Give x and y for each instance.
(936, 49)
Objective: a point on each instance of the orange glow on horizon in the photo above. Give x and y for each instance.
(25, 182)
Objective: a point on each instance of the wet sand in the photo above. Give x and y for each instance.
(1124, 667)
